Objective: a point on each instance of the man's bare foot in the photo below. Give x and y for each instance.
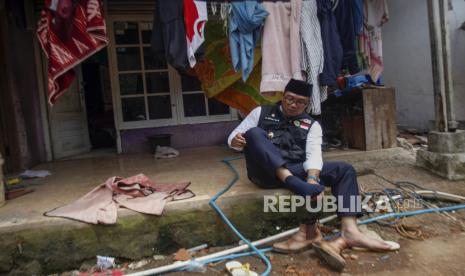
(355, 238)
(300, 241)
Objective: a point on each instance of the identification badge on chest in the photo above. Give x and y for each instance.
(304, 124)
(272, 118)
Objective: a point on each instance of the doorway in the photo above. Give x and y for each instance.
(81, 122)
(98, 102)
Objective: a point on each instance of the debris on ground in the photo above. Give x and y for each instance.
(293, 270)
(139, 264)
(384, 258)
(104, 262)
(411, 140)
(163, 152)
(236, 268)
(182, 255)
(35, 173)
(158, 257)
(197, 248)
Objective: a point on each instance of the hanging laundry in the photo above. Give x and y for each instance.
(357, 12)
(236, 99)
(245, 25)
(281, 48)
(219, 79)
(195, 17)
(69, 32)
(376, 14)
(343, 12)
(168, 39)
(312, 53)
(214, 7)
(225, 10)
(137, 193)
(331, 43)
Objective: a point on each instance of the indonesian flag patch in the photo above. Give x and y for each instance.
(305, 124)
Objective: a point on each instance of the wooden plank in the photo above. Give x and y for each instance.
(2, 187)
(379, 117)
(354, 131)
(390, 137)
(3, 87)
(372, 138)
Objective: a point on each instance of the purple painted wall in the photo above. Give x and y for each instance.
(183, 136)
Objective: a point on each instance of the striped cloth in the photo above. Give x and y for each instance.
(312, 53)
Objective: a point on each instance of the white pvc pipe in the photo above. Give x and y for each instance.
(177, 265)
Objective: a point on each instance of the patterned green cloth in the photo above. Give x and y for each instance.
(217, 75)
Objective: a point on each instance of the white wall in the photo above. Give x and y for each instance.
(407, 59)
(457, 42)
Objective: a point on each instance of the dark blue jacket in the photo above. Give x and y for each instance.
(287, 134)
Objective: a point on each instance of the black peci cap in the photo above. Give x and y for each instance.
(299, 87)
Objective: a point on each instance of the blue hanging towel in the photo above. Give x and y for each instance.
(245, 25)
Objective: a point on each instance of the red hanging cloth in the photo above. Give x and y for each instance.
(69, 32)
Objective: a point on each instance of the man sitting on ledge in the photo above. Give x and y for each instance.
(282, 149)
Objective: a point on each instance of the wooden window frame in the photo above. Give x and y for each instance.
(176, 93)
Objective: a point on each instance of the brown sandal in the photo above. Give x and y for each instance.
(331, 251)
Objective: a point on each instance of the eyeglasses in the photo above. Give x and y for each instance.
(291, 100)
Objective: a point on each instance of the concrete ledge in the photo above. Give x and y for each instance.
(352, 156)
(447, 142)
(60, 245)
(448, 165)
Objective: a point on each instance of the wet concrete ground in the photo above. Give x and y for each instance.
(71, 179)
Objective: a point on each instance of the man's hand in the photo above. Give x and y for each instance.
(314, 182)
(238, 141)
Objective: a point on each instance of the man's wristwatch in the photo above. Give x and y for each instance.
(314, 177)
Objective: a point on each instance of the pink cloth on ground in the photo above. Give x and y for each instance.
(137, 193)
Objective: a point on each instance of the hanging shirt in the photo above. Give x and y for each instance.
(245, 25)
(169, 35)
(331, 43)
(357, 11)
(195, 17)
(281, 45)
(343, 13)
(376, 14)
(312, 53)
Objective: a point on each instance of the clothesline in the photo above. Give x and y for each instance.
(336, 38)
(313, 40)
